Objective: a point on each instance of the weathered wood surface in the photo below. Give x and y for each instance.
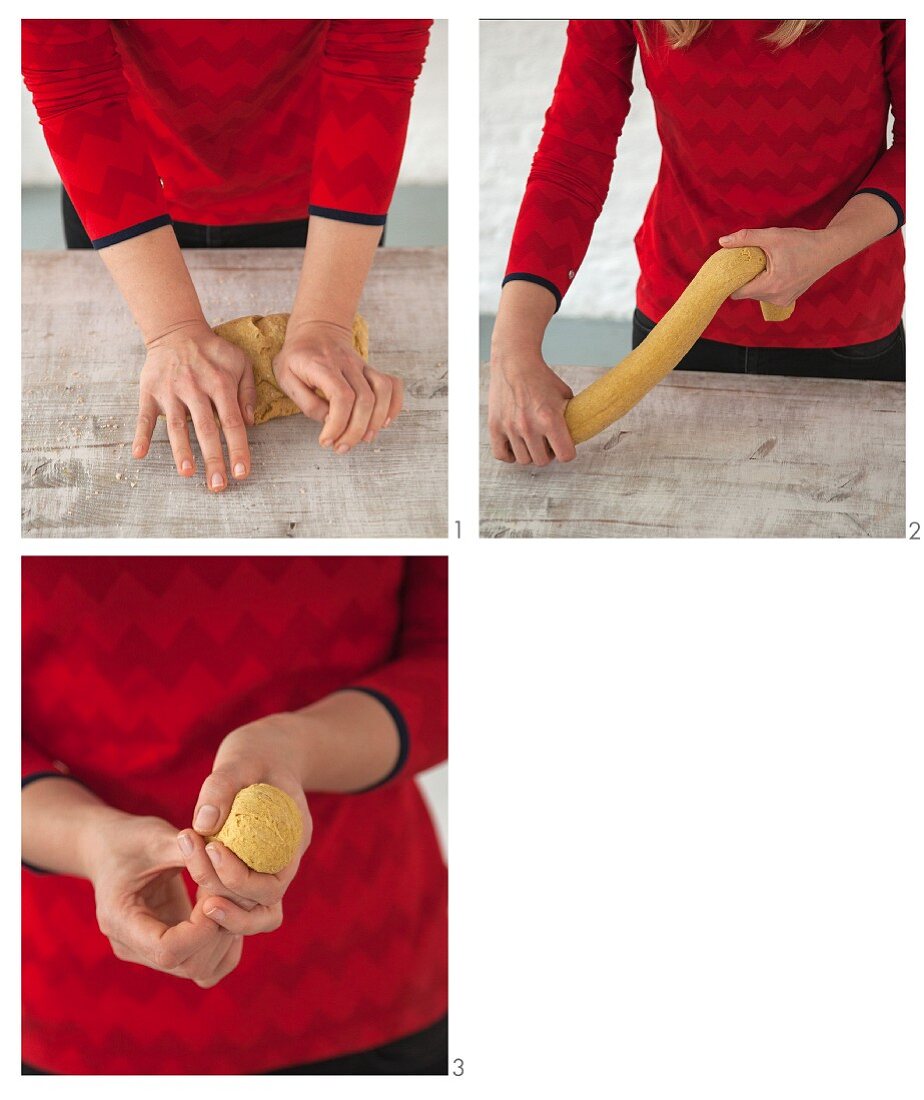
(718, 455)
(81, 361)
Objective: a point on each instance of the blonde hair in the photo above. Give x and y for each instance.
(681, 32)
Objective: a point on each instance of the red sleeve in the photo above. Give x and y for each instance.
(369, 68)
(74, 72)
(413, 685)
(571, 170)
(36, 763)
(887, 176)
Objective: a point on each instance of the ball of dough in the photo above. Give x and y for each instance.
(262, 338)
(263, 828)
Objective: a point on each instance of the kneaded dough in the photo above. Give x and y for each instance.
(263, 828)
(261, 338)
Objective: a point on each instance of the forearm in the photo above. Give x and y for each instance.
(58, 818)
(152, 277)
(338, 256)
(862, 221)
(522, 317)
(346, 742)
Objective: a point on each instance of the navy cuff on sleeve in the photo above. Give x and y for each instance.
(132, 231)
(403, 738)
(893, 202)
(346, 215)
(525, 277)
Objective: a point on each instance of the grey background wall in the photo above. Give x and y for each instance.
(520, 60)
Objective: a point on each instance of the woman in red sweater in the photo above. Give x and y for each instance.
(773, 134)
(153, 690)
(229, 133)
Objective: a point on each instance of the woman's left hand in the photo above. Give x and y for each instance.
(243, 901)
(796, 258)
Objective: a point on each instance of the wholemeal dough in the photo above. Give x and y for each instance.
(261, 338)
(263, 828)
(617, 391)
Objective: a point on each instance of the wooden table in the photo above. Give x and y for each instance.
(81, 357)
(712, 455)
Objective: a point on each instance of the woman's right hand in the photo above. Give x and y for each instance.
(526, 410)
(191, 372)
(142, 905)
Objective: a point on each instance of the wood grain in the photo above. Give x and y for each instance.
(81, 356)
(718, 455)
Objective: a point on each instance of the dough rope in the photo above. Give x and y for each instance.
(262, 339)
(613, 394)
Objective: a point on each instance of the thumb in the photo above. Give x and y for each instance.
(247, 395)
(215, 798)
(740, 238)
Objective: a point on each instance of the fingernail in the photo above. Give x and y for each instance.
(369, 436)
(206, 818)
(187, 466)
(342, 448)
(217, 481)
(136, 450)
(324, 442)
(215, 913)
(185, 843)
(387, 422)
(250, 413)
(723, 240)
(240, 469)
(214, 853)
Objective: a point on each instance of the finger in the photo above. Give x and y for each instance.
(209, 442)
(341, 396)
(310, 403)
(247, 395)
(560, 442)
(178, 434)
(754, 288)
(397, 400)
(192, 850)
(538, 449)
(167, 947)
(520, 450)
(500, 448)
(216, 795)
(236, 876)
(381, 385)
(739, 238)
(225, 964)
(144, 426)
(232, 424)
(360, 414)
(240, 921)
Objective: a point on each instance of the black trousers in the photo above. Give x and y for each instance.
(424, 1052)
(881, 360)
(291, 234)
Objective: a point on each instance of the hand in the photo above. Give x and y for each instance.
(142, 906)
(193, 372)
(526, 411)
(323, 374)
(796, 258)
(243, 901)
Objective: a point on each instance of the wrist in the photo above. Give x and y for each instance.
(309, 328)
(93, 832)
(177, 331)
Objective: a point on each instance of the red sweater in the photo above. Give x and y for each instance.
(751, 137)
(133, 670)
(223, 121)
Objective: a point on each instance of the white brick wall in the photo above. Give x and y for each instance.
(520, 60)
(425, 155)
